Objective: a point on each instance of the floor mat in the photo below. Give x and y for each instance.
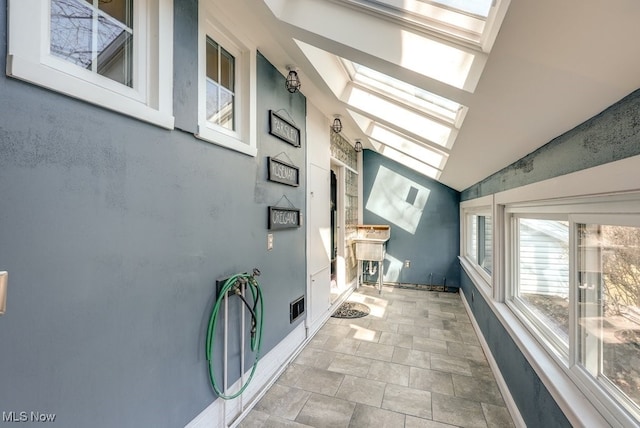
(351, 310)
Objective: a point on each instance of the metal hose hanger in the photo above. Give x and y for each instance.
(237, 284)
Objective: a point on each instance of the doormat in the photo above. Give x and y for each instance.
(351, 310)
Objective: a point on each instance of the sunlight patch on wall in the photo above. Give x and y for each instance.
(393, 269)
(325, 237)
(397, 199)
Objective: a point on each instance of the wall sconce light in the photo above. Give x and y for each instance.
(358, 146)
(292, 82)
(337, 124)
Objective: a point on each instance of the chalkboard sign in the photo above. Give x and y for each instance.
(279, 127)
(282, 172)
(283, 218)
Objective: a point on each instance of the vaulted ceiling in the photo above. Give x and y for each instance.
(456, 89)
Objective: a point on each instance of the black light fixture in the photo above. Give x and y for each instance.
(358, 146)
(337, 124)
(292, 82)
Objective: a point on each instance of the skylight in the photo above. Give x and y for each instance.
(460, 19)
(426, 58)
(409, 162)
(475, 7)
(401, 117)
(404, 92)
(408, 147)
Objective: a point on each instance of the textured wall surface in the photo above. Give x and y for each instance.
(612, 135)
(537, 407)
(434, 245)
(113, 232)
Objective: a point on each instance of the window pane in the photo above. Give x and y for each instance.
(212, 60)
(220, 82)
(543, 274)
(479, 7)
(72, 32)
(485, 237)
(118, 9)
(609, 307)
(93, 40)
(114, 51)
(472, 245)
(226, 69)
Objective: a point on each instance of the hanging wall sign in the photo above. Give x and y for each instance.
(279, 127)
(283, 218)
(282, 172)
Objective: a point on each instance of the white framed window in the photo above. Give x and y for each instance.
(477, 237)
(226, 85)
(573, 275)
(607, 274)
(116, 54)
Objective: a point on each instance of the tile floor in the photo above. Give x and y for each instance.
(414, 361)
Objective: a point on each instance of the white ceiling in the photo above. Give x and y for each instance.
(553, 65)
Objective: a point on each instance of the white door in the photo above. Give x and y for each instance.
(319, 241)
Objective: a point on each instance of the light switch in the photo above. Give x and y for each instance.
(269, 241)
(4, 276)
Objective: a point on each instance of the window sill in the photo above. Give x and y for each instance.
(573, 403)
(221, 139)
(478, 278)
(69, 85)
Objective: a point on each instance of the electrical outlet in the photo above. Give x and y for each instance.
(269, 241)
(407, 263)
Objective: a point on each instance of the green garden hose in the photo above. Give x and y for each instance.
(235, 283)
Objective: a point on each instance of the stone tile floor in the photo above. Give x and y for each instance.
(413, 362)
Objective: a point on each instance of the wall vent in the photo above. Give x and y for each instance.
(296, 308)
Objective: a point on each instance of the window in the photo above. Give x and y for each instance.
(573, 274)
(104, 52)
(540, 277)
(608, 296)
(227, 85)
(220, 84)
(480, 241)
(477, 240)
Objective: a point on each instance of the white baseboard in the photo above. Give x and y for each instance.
(226, 413)
(502, 385)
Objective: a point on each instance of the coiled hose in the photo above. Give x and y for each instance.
(238, 282)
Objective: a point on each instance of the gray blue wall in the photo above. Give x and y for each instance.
(536, 405)
(114, 231)
(435, 245)
(612, 135)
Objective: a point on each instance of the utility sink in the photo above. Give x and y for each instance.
(371, 243)
(370, 248)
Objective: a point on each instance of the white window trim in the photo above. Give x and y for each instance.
(573, 396)
(244, 138)
(151, 99)
(479, 206)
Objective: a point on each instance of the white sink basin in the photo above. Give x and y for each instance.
(370, 248)
(371, 240)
